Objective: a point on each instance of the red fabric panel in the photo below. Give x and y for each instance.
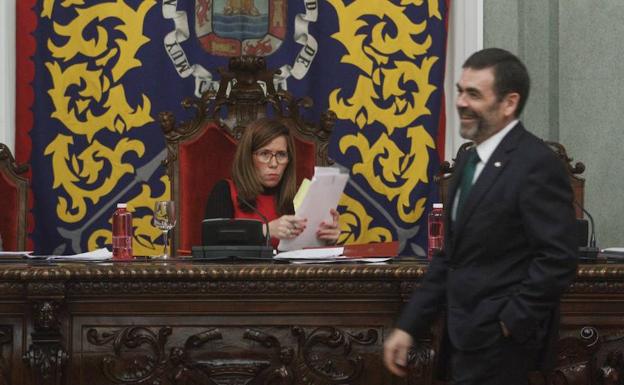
(25, 44)
(8, 213)
(441, 139)
(26, 22)
(306, 159)
(203, 161)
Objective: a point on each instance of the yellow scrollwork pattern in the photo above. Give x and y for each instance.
(89, 96)
(354, 220)
(386, 62)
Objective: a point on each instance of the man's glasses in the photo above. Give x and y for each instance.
(265, 156)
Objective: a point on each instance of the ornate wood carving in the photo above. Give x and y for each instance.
(181, 322)
(186, 275)
(589, 358)
(185, 270)
(147, 359)
(237, 355)
(6, 157)
(6, 338)
(337, 368)
(561, 152)
(11, 289)
(245, 88)
(420, 363)
(239, 287)
(48, 289)
(46, 356)
(13, 171)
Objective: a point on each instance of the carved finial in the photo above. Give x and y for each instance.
(7, 156)
(167, 121)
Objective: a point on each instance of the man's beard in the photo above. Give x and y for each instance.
(478, 128)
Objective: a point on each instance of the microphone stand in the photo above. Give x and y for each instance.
(264, 219)
(590, 252)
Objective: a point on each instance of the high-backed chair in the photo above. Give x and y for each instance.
(200, 151)
(14, 202)
(578, 183)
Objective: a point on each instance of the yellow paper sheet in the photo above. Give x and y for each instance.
(301, 193)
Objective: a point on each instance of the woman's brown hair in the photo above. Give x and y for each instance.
(257, 134)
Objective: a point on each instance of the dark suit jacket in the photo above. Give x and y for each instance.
(510, 253)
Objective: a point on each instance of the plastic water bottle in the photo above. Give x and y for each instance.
(122, 232)
(436, 230)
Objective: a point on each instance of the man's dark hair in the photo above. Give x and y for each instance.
(510, 74)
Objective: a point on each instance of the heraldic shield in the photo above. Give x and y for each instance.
(241, 27)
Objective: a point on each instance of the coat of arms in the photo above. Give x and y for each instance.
(240, 27)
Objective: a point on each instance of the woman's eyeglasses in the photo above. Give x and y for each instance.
(265, 156)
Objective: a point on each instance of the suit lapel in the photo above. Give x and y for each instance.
(490, 173)
(454, 183)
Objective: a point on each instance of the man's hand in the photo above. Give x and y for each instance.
(396, 348)
(506, 332)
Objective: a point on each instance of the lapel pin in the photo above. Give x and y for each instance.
(497, 164)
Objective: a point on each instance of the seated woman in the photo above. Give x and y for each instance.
(263, 177)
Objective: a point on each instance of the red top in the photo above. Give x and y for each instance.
(264, 203)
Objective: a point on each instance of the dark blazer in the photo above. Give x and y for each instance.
(510, 253)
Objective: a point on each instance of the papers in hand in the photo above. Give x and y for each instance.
(96, 255)
(323, 194)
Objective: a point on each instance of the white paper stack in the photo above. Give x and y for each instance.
(323, 255)
(323, 194)
(96, 255)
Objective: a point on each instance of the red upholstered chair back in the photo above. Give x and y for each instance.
(200, 152)
(13, 202)
(305, 159)
(578, 183)
(203, 160)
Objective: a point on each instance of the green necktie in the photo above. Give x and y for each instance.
(467, 177)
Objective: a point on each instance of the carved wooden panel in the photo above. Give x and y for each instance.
(119, 352)
(590, 355)
(180, 322)
(11, 369)
(6, 348)
(46, 356)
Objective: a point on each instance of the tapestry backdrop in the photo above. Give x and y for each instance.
(99, 71)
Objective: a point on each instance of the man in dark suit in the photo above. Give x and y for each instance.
(509, 238)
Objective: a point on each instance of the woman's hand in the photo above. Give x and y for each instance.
(329, 232)
(287, 226)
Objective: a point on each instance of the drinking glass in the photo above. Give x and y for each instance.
(165, 220)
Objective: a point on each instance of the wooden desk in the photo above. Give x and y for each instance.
(186, 323)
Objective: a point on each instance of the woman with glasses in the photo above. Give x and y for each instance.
(264, 183)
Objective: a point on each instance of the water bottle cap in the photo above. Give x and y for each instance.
(122, 205)
(438, 205)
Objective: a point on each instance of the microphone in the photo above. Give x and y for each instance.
(264, 219)
(589, 252)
